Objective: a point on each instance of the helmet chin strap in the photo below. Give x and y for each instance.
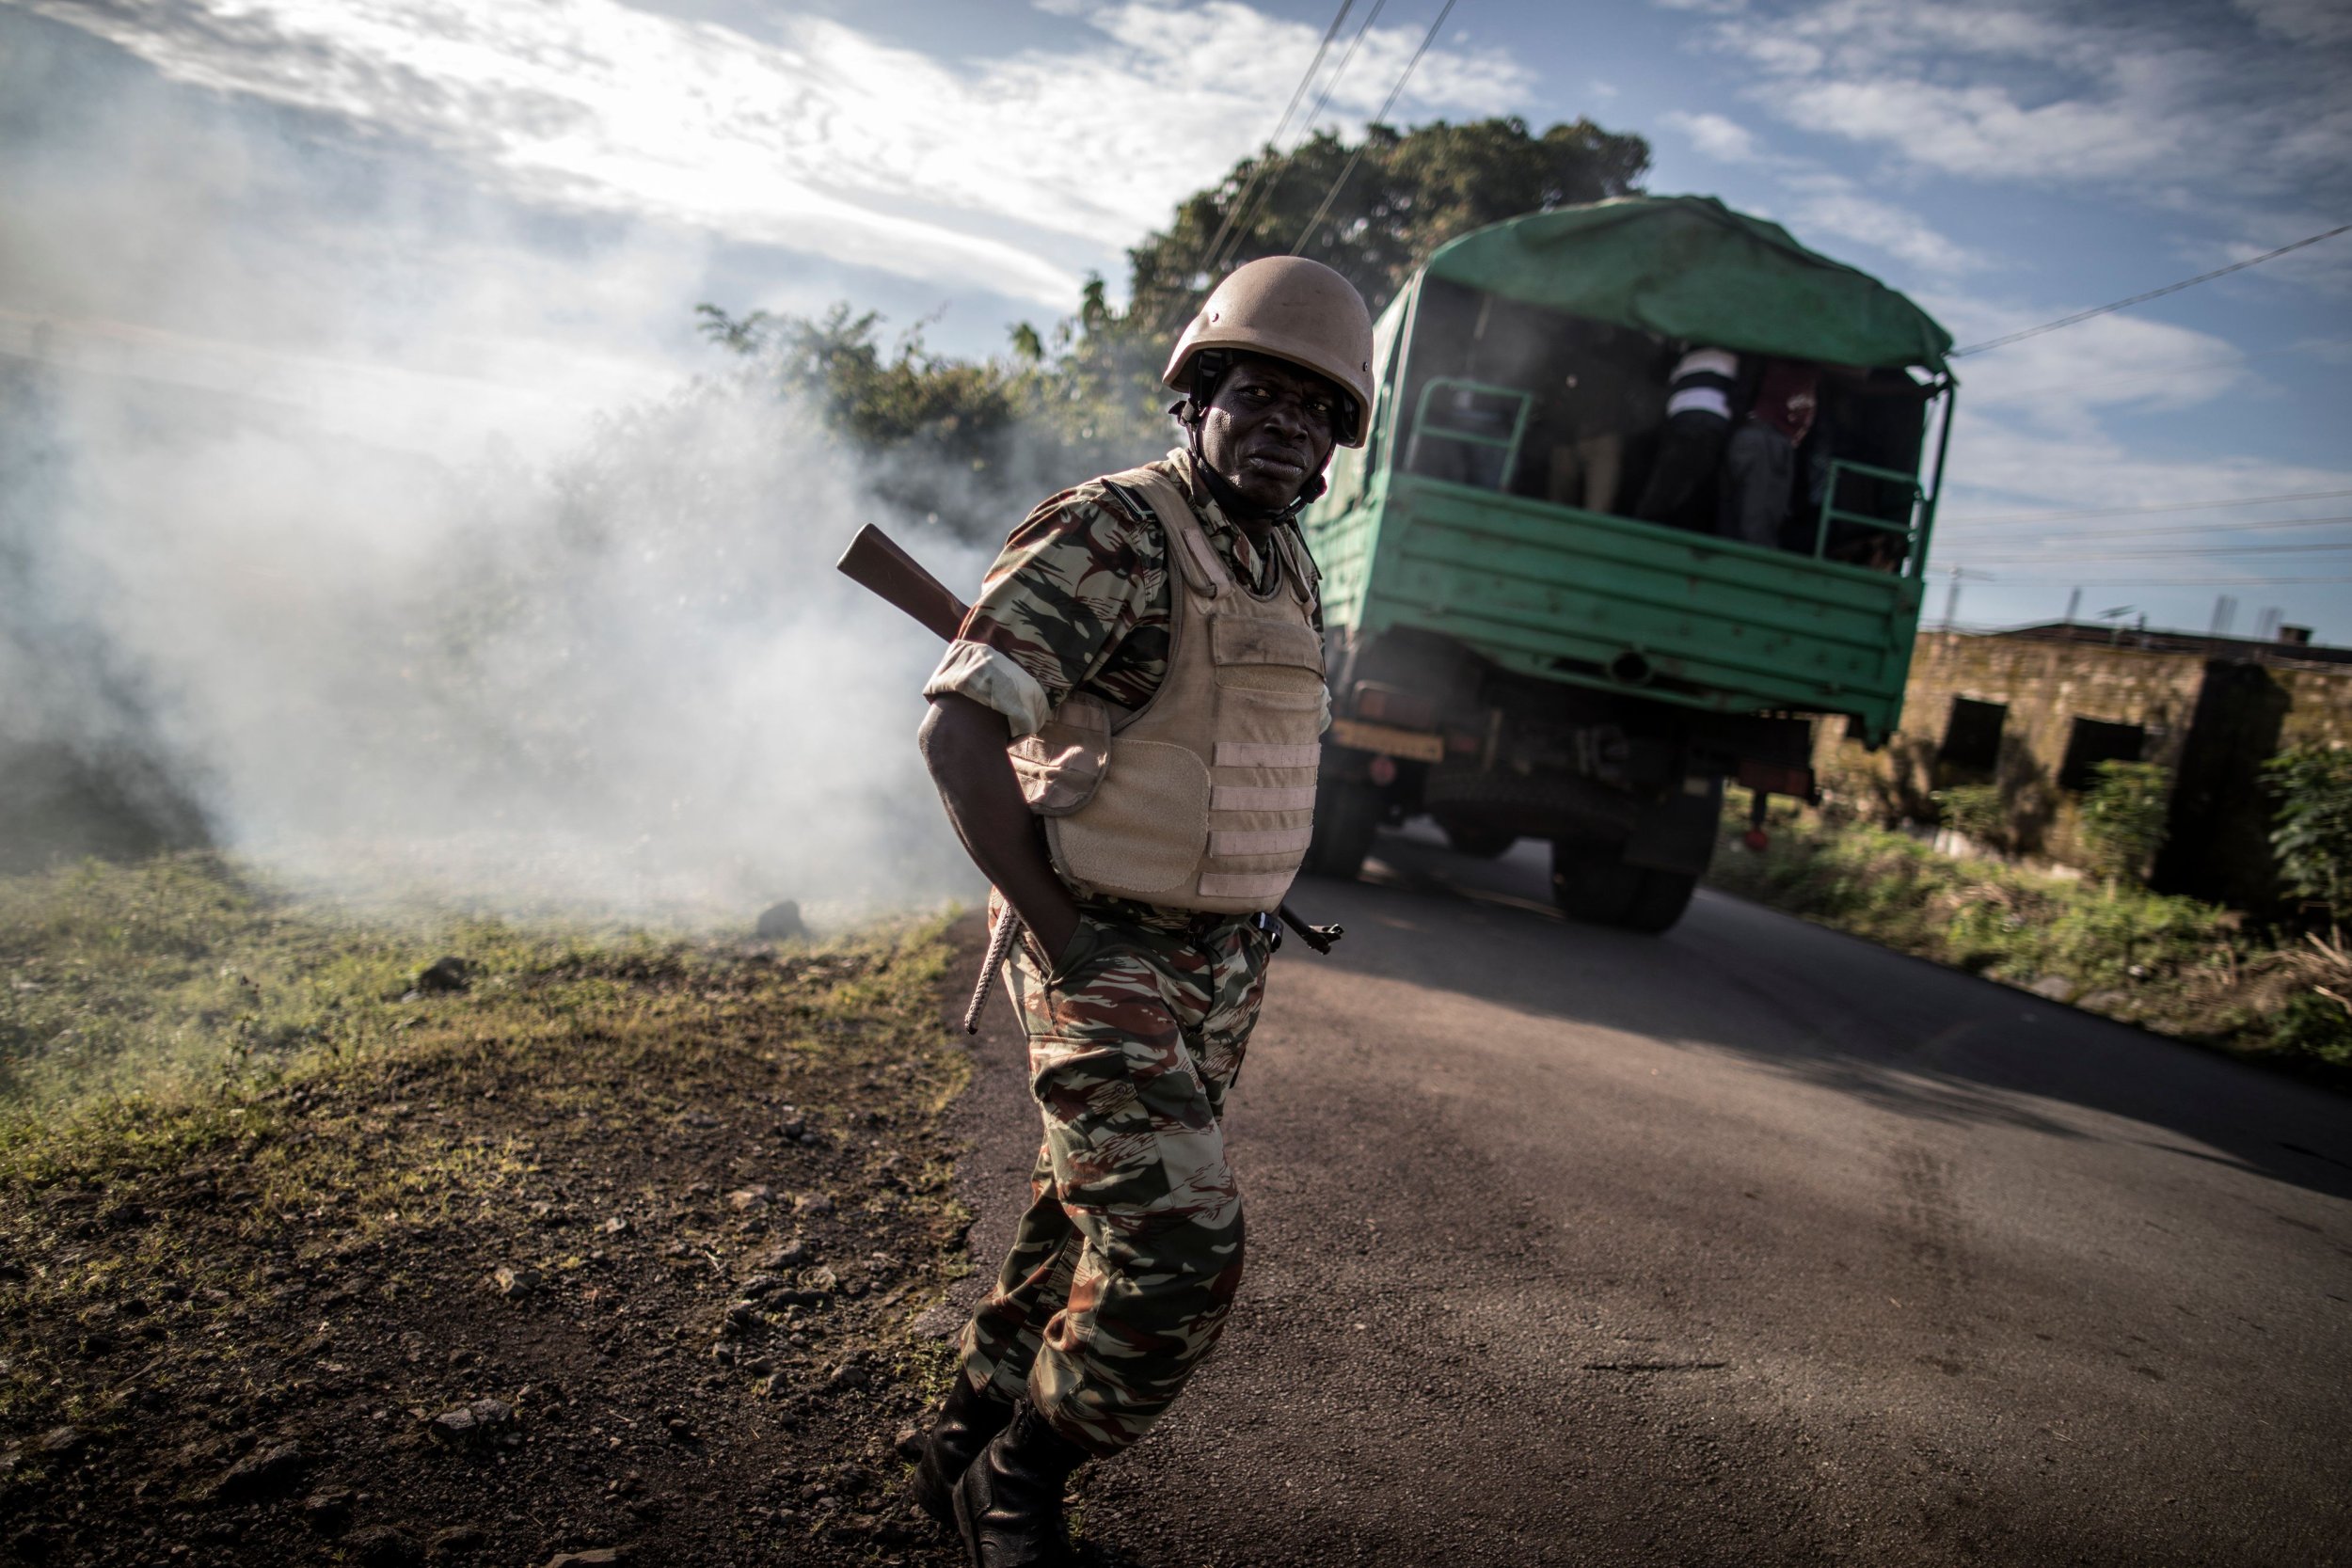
(1190, 415)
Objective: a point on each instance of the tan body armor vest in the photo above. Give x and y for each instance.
(1202, 798)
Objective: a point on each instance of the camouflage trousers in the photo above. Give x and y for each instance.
(1124, 1265)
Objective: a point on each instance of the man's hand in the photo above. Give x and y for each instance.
(963, 746)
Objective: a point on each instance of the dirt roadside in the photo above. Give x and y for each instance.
(660, 1286)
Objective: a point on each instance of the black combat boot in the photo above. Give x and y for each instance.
(1008, 1503)
(965, 1423)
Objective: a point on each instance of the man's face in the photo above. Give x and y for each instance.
(1269, 429)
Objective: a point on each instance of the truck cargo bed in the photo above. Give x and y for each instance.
(1608, 602)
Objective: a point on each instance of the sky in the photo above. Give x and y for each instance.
(264, 197)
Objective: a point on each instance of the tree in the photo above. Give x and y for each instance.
(964, 439)
(970, 439)
(1407, 194)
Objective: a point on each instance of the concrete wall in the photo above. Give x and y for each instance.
(2219, 843)
(2210, 723)
(2319, 705)
(2045, 687)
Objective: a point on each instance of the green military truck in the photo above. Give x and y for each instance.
(1514, 651)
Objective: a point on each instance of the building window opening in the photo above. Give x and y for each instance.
(1972, 737)
(2092, 741)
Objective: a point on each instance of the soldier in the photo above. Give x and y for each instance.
(1149, 643)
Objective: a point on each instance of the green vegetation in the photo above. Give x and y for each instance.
(179, 975)
(1408, 192)
(2173, 965)
(1084, 395)
(2312, 831)
(269, 1204)
(2124, 815)
(1977, 810)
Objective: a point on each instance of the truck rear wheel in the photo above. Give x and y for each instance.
(1348, 812)
(1590, 883)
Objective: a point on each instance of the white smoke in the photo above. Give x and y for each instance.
(630, 681)
(341, 546)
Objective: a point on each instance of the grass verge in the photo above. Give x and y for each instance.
(614, 1248)
(2173, 965)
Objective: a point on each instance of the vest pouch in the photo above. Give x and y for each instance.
(1063, 764)
(1269, 656)
(1146, 833)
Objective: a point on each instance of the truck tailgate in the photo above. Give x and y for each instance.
(1564, 594)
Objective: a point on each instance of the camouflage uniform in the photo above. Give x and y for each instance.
(1078, 598)
(1124, 1265)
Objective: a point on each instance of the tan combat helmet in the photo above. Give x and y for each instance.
(1291, 309)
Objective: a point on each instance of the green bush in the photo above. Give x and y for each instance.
(2312, 831)
(2312, 1025)
(2124, 820)
(2173, 964)
(1978, 811)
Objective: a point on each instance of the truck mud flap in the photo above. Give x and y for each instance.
(1679, 832)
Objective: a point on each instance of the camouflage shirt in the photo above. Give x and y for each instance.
(1079, 598)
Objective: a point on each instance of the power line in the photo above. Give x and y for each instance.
(2148, 372)
(1332, 83)
(2145, 510)
(2142, 299)
(1349, 168)
(2189, 527)
(2079, 579)
(1250, 185)
(1242, 225)
(2205, 551)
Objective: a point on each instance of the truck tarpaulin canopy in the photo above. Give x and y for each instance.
(1688, 267)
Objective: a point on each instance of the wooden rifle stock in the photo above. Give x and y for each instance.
(875, 561)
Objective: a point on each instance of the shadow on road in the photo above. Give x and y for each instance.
(1903, 1034)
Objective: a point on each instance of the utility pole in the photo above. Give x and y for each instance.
(2074, 603)
(1951, 594)
(2224, 611)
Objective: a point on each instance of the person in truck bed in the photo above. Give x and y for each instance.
(1681, 486)
(1760, 458)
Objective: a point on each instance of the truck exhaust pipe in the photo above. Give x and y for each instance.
(1630, 667)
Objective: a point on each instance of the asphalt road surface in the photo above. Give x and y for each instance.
(1752, 1243)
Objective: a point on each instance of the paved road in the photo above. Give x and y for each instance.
(1749, 1244)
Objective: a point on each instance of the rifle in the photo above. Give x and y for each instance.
(875, 563)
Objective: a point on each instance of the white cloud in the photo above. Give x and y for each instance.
(2168, 106)
(2005, 465)
(1830, 204)
(2321, 21)
(2060, 383)
(989, 173)
(2037, 431)
(1723, 139)
(2002, 467)
(1982, 131)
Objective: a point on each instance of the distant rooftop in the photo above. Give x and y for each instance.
(2293, 645)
